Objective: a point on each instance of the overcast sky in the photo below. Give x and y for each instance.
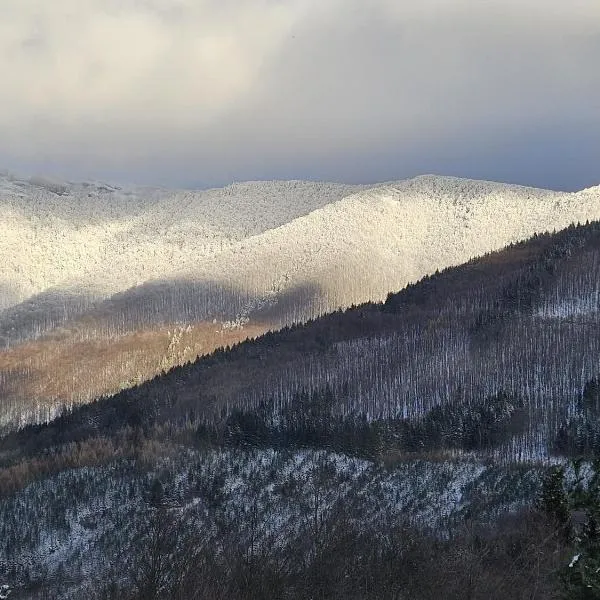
(205, 92)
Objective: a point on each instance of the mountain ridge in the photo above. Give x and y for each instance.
(459, 192)
(464, 334)
(170, 266)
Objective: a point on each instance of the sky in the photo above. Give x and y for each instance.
(198, 93)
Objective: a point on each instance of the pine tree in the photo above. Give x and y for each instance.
(561, 502)
(554, 501)
(582, 576)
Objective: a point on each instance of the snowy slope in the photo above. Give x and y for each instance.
(256, 240)
(95, 279)
(104, 239)
(376, 241)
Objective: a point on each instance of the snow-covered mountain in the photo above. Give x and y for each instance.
(103, 239)
(378, 240)
(92, 263)
(351, 243)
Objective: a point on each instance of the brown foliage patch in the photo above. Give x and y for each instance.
(68, 371)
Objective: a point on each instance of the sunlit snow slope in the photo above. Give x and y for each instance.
(84, 266)
(103, 239)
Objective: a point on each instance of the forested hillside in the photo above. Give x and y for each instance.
(515, 332)
(419, 428)
(103, 287)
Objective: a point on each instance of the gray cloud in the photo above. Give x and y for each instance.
(185, 92)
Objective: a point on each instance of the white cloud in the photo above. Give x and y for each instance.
(74, 57)
(233, 85)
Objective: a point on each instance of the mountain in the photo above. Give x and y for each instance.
(100, 239)
(105, 287)
(362, 453)
(518, 325)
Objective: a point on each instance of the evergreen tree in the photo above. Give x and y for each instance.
(582, 576)
(554, 501)
(575, 509)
